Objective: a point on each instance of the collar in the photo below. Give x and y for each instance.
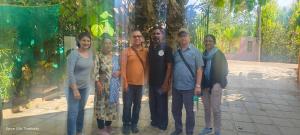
(188, 48)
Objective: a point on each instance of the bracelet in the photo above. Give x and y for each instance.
(198, 85)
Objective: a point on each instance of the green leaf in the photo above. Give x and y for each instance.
(105, 15)
(97, 30)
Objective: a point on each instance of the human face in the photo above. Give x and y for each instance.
(85, 42)
(157, 36)
(209, 43)
(184, 40)
(136, 38)
(107, 46)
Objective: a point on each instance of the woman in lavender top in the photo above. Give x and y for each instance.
(79, 67)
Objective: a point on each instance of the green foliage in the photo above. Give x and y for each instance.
(7, 51)
(218, 3)
(86, 15)
(294, 32)
(276, 45)
(29, 2)
(242, 5)
(280, 27)
(229, 27)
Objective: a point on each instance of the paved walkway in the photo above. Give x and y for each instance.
(261, 99)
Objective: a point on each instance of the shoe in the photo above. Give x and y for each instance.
(176, 132)
(164, 128)
(134, 129)
(217, 133)
(206, 131)
(126, 130)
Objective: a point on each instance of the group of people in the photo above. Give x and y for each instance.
(185, 72)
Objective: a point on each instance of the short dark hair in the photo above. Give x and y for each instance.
(135, 30)
(82, 35)
(157, 27)
(212, 36)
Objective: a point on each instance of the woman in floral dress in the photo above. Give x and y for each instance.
(107, 75)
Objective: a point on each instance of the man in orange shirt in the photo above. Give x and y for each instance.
(134, 70)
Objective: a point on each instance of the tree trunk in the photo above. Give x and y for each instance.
(259, 32)
(175, 19)
(145, 17)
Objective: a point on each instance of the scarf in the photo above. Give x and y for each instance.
(208, 55)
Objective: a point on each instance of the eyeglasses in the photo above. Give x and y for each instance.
(137, 36)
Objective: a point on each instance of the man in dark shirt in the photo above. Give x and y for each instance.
(160, 59)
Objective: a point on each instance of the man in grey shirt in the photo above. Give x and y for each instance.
(186, 81)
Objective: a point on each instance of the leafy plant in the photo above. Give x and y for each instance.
(7, 53)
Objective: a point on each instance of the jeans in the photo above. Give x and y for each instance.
(180, 98)
(132, 96)
(75, 116)
(158, 103)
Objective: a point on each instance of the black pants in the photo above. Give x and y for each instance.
(158, 103)
(101, 123)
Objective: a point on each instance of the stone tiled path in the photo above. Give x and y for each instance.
(261, 99)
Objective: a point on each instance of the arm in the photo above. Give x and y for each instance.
(71, 62)
(168, 78)
(97, 67)
(198, 81)
(123, 69)
(147, 69)
(222, 70)
(166, 83)
(199, 65)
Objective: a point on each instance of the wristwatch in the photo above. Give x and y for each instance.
(198, 85)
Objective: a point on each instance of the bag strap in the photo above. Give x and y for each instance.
(186, 64)
(135, 51)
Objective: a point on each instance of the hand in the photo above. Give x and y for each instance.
(99, 88)
(125, 87)
(197, 91)
(76, 94)
(165, 87)
(116, 74)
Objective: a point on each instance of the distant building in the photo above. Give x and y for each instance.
(247, 51)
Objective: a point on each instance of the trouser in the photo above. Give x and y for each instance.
(180, 98)
(132, 96)
(158, 103)
(75, 118)
(212, 106)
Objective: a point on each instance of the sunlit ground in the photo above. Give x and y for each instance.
(261, 98)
